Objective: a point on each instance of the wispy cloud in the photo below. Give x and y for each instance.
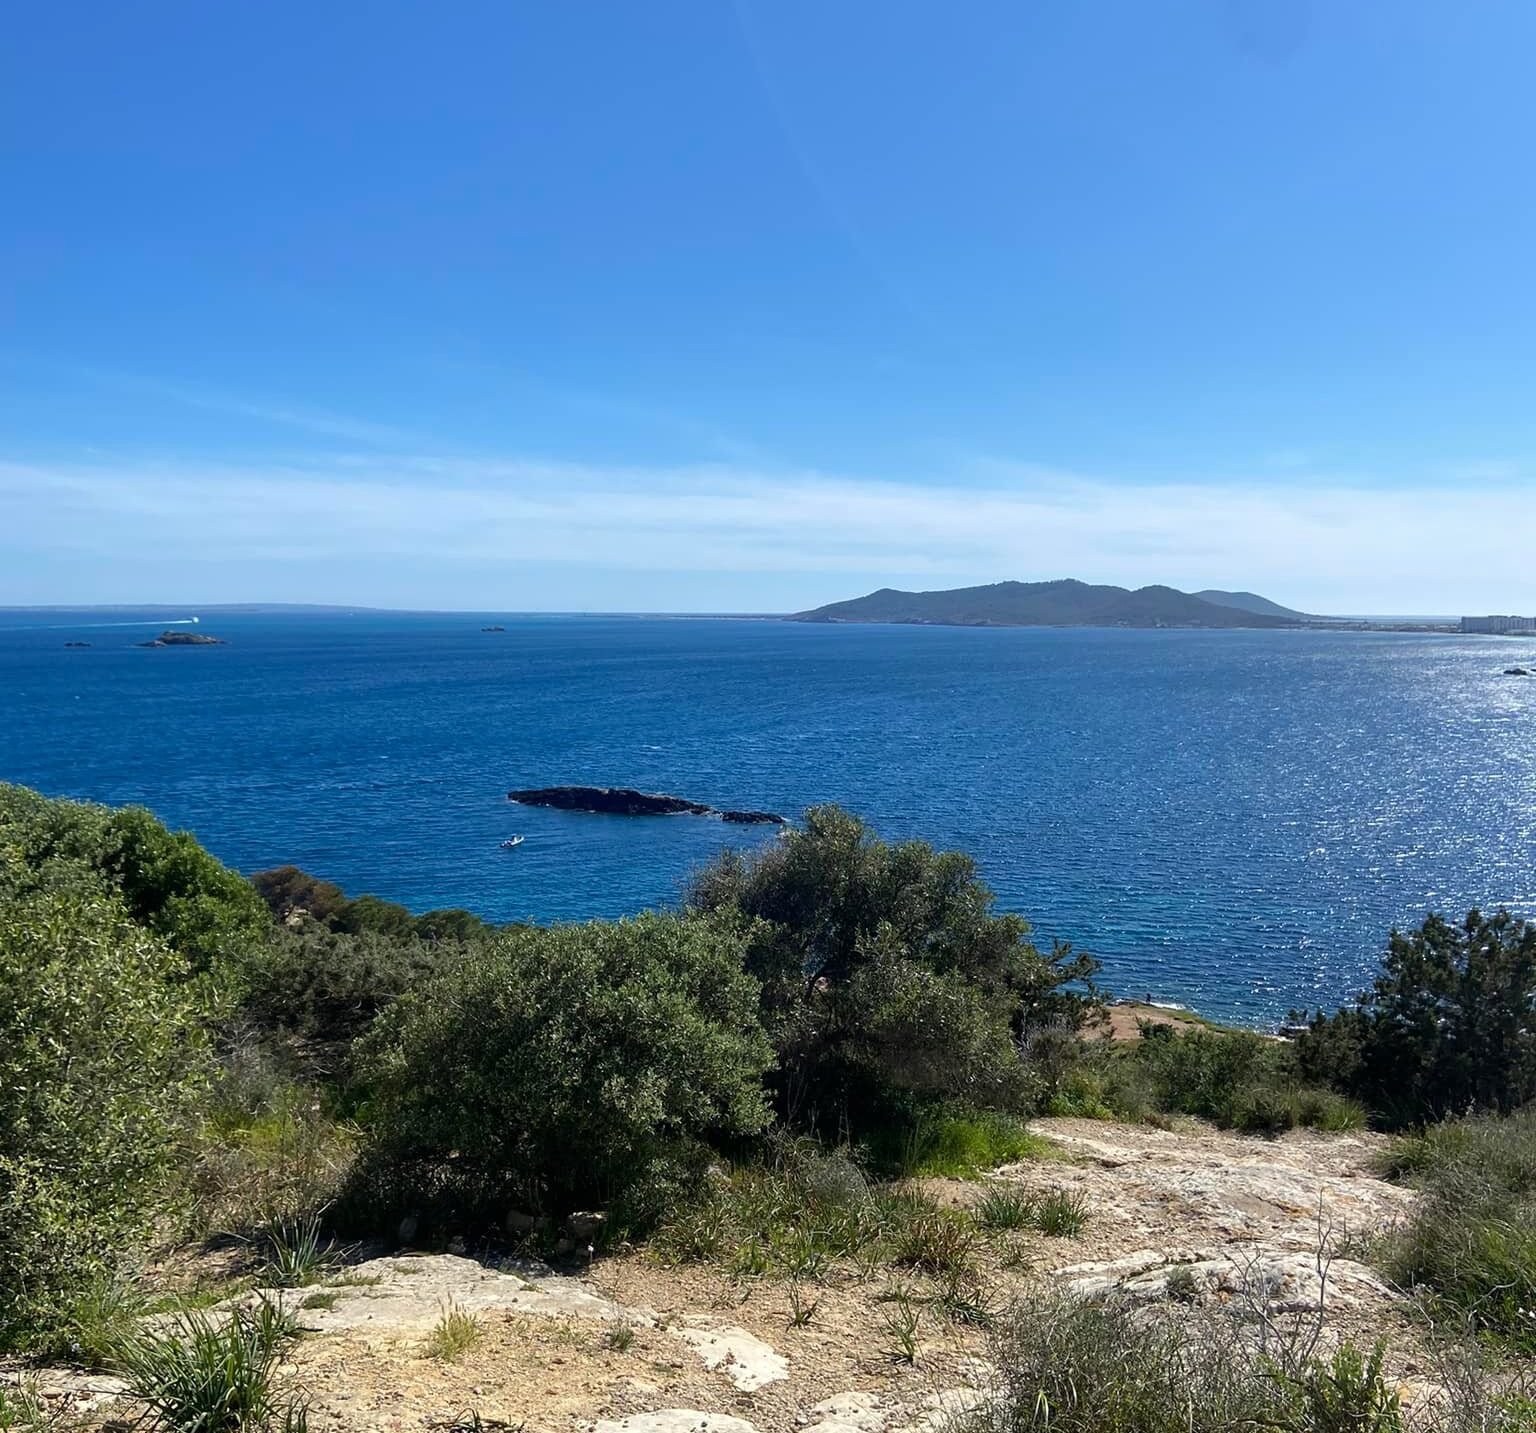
(279, 413)
(1331, 546)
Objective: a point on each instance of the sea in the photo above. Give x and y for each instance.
(1231, 821)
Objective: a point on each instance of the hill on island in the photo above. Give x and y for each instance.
(1252, 602)
(1064, 603)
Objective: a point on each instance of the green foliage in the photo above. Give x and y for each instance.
(809, 1212)
(1449, 1026)
(102, 1064)
(552, 1067)
(902, 1315)
(167, 883)
(90, 1319)
(207, 1375)
(1072, 1367)
(933, 1240)
(318, 989)
(885, 972)
(260, 1167)
(1237, 1079)
(296, 898)
(295, 1253)
(1471, 1241)
(1003, 1208)
(24, 1410)
(958, 1145)
(1060, 1214)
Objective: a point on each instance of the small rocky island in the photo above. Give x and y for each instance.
(183, 639)
(625, 801)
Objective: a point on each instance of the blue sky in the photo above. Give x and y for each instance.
(746, 307)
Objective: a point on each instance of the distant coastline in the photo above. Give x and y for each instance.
(856, 611)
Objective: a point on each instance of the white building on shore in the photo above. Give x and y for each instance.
(1498, 626)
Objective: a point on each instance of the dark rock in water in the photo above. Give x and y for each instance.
(493, 629)
(623, 801)
(184, 639)
(77, 644)
(1516, 672)
(608, 800)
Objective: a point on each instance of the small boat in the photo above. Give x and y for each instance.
(510, 842)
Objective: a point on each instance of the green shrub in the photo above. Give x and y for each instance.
(886, 973)
(316, 990)
(1060, 1214)
(24, 1410)
(1002, 1208)
(1240, 1080)
(808, 1213)
(1071, 1367)
(102, 1064)
(214, 1375)
(167, 883)
(1470, 1243)
(298, 900)
(553, 1067)
(296, 1253)
(90, 1318)
(934, 1241)
(1450, 1024)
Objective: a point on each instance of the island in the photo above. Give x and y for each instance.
(625, 801)
(183, 639)
(1070, 603)
(1064, 603)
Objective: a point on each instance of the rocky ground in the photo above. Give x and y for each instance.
(626, 1345)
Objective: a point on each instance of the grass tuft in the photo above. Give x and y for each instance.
(1059, 1213)
(454, 1334)
(963, 1146)
(295, 1254)
(208, 1375)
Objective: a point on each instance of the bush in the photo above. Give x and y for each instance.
(885, 972)
(297, 899)
(1471, 1241)
(1450, 1025)
(1072, 1367)
(281, 1162)
(552, 1069)
(453, 1335)
(167, 883)
(317, 990)
(102, 1064)
(809, 1212)
(1237, 1079)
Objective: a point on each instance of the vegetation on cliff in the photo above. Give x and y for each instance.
(185, 1054)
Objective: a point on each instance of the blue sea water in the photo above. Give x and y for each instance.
(1232, 820)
